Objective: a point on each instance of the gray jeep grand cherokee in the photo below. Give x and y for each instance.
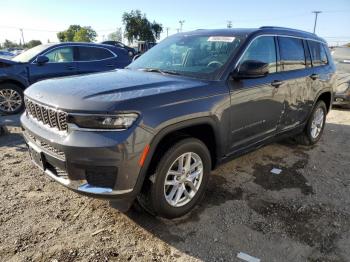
(152, 132)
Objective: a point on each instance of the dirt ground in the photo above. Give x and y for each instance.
(302, 214)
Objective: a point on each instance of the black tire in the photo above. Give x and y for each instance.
(5, 109)
(305, 138)
(153, 198)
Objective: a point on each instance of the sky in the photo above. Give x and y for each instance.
(42, 19)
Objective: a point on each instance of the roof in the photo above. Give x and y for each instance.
(261, 30)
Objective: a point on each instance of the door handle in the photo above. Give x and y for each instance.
(315, 76)
(276, 83)
(110, 65)
(70, 67)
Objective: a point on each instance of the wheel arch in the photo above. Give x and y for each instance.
(208, 134)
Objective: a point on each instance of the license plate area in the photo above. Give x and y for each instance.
(36, 156)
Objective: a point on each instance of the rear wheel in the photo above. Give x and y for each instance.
(179, 181)
(11, 99)
(315, 125)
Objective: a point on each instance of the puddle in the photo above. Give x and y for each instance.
(290, 177)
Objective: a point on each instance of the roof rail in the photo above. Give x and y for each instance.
(284, 28)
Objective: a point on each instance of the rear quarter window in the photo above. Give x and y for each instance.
(318, 53)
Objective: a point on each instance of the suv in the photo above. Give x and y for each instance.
(152, 132)
(53, 60)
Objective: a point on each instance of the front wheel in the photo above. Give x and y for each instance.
(11, 99)
(315, 125)
(180, 179)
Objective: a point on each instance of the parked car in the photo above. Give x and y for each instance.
(131, 51)
(6, 55)
(53, 60)
(341, 56)
(154, 130)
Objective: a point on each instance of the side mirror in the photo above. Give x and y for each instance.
(251, 69)
(41, 59)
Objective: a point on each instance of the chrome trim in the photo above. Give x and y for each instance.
(273, 35)
(85, 187)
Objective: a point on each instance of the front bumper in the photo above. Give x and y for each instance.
(98, 164)
(341, 99)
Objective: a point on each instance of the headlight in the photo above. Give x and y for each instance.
(119, 121)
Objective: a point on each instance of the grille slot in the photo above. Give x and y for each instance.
(56, 152)
(48, 116)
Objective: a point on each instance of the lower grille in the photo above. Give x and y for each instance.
(48, 116)
(101, 176)
(50, 149)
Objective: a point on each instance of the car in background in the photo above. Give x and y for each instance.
(5, 54)
(341, 57)
(53, 60)
(131, 51)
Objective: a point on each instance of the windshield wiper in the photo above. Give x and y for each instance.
(156, 70)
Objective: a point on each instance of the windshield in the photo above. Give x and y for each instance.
(190, 55)
(26, 56)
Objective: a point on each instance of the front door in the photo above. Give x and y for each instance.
(256, 104)
(61, 63)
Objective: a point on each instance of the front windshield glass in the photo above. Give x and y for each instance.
(26, 56)
(190, 55)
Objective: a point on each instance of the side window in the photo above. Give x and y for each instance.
(61, 55)
(262, 49)
(318, 53)
(93, 53)
(292, 53)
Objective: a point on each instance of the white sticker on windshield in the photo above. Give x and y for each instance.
(228, 39)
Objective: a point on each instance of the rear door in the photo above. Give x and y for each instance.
(256, 104)
(296, 72)
(61, 63)
(95, 59)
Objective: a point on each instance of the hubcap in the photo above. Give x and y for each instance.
(10, 100)
(317, 123)
(183, 179)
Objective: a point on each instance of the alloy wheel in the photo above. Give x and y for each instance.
(317, 123)
(183, 179)
(10, 100)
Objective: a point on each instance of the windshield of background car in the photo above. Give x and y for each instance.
(341, 58)
(26, 56)
(190, 55)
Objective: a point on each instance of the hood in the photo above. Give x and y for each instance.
(4, 61)
(105, 91)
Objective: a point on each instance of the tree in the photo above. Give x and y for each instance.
(33, 43)
(76, 33)
(116, 36)
(137, 27)
(9, 44)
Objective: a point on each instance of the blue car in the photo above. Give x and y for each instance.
(53, 60)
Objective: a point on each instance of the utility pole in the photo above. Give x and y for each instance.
(229, 24)
(167, 31)
(316, 15)
(21, 30)
(181, 22)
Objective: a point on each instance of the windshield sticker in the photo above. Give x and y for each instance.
(227, 39)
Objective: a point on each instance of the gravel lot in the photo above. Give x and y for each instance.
(302, 214)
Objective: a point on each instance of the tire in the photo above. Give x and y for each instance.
(308, 137)
(154, 200)
(16, 104)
